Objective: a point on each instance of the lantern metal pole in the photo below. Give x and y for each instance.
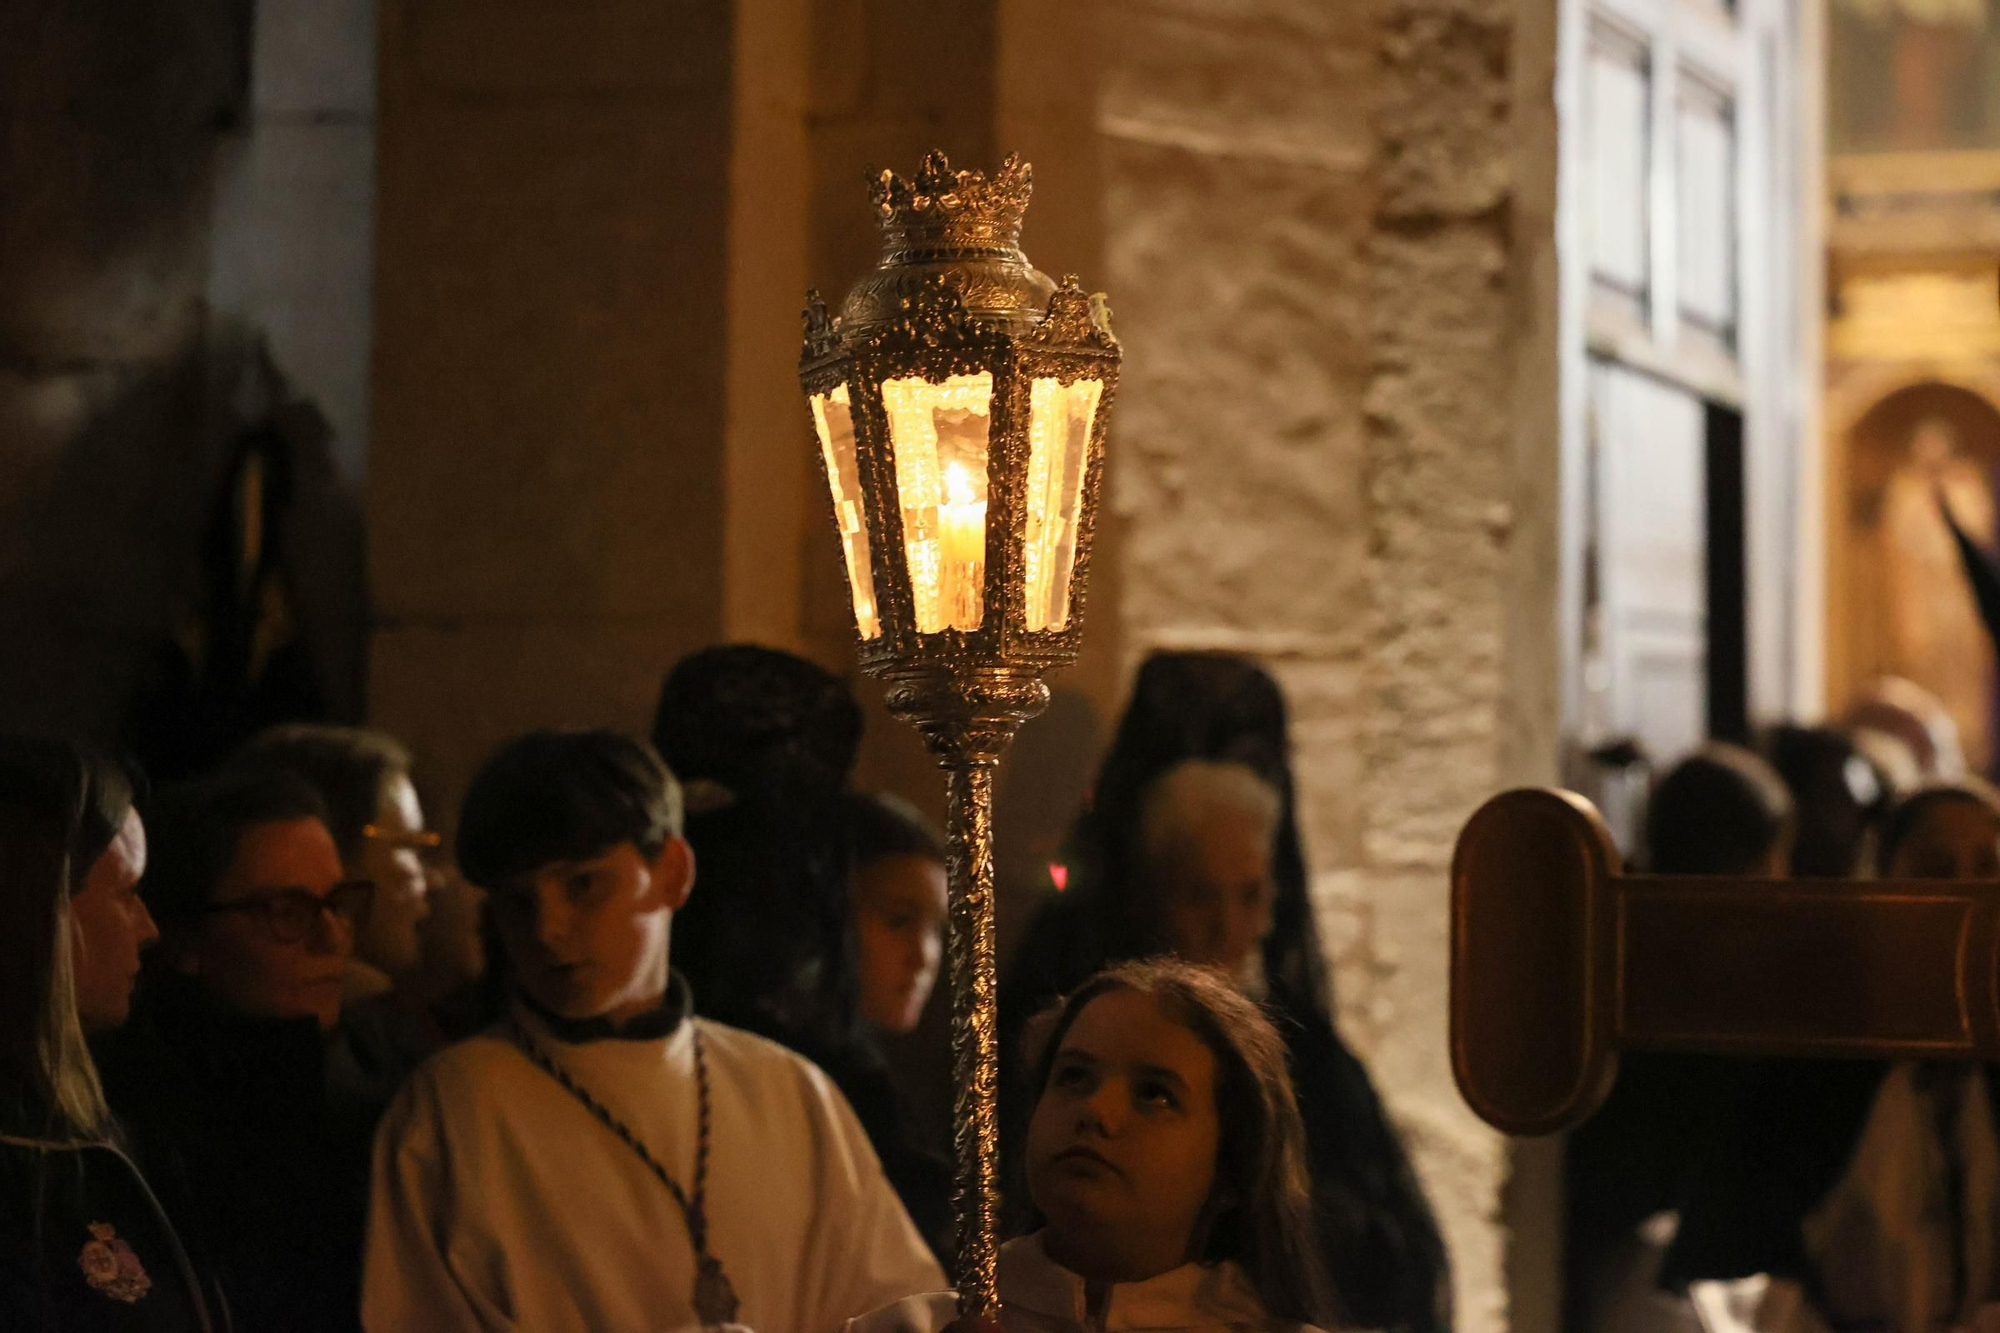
(975, 1050)
(968, 717)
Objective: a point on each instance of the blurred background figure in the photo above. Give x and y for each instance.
(1868, 1193)
(897, 895)
(1907, 732)
(1206, 830)
(1949, 830)
(1837, 794)
(1191, 841)
(238, 1074)
(763, 743)
(1719, 811)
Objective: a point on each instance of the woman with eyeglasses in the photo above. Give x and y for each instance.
(418, 949)
(239, 1073)
(84, 1241)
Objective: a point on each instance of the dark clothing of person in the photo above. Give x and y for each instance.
(1633, 1159)
(265, 1126)
(1378, 1240)
(764, 743)
(85, 1246)
(1790, 1134)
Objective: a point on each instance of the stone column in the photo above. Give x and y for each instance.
(547, 477)
(1329, 327)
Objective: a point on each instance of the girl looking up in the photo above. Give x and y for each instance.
(1190, 845)
(1166, 1163)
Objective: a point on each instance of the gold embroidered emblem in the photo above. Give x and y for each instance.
(109, 1265)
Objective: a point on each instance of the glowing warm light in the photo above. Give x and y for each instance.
(1059, 875)
(1059, 428)
(939, 431)
(957, 484)
(833, 417)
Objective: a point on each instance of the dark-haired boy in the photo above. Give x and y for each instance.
(602, 1159)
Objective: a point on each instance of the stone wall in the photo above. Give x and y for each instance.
(1308, 222)
(546, 478)
(110, 124)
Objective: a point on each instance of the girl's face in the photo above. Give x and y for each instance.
(899, 910)
(1953, 839)
(1122, 1145)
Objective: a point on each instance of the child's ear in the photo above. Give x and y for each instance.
(673, 873)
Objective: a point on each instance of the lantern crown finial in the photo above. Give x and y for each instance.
(937, 194)
(941, 213)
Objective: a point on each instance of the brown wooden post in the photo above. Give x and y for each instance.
(1559, 962)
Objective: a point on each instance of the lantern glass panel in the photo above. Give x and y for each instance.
(1062, 417)
(939, 434)
(833, 417)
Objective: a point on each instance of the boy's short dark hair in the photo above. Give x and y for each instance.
(194, 828)
(562, 795)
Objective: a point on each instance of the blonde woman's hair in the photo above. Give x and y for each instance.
(76, 1095)
(47, 794)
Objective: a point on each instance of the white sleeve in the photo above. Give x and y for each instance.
(408, 1279)
(1756, 1304)
(863, 1251)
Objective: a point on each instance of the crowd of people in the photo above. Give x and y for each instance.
(275, 1058)
(1810, 1196)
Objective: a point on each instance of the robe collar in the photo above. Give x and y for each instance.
(662, 1021)
(1191, 1296)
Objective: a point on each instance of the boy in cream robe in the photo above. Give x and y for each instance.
(602, 1159)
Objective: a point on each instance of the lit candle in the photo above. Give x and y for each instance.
(962, 543)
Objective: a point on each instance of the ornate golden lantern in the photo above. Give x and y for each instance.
(960, 400)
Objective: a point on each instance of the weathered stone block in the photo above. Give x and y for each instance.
(1277, 80)
(548, 387)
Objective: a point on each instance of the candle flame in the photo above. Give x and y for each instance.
(957, 484)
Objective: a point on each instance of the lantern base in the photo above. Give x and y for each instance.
(967, 713)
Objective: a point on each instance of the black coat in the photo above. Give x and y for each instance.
(265, 1129)
(1788, 1134)
(86, 1248)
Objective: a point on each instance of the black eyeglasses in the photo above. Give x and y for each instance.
(289, 915)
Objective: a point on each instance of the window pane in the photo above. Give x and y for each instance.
(834, 418)
(939, 432)
(1062, 417)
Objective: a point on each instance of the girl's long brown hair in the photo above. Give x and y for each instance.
(1261, 1212)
